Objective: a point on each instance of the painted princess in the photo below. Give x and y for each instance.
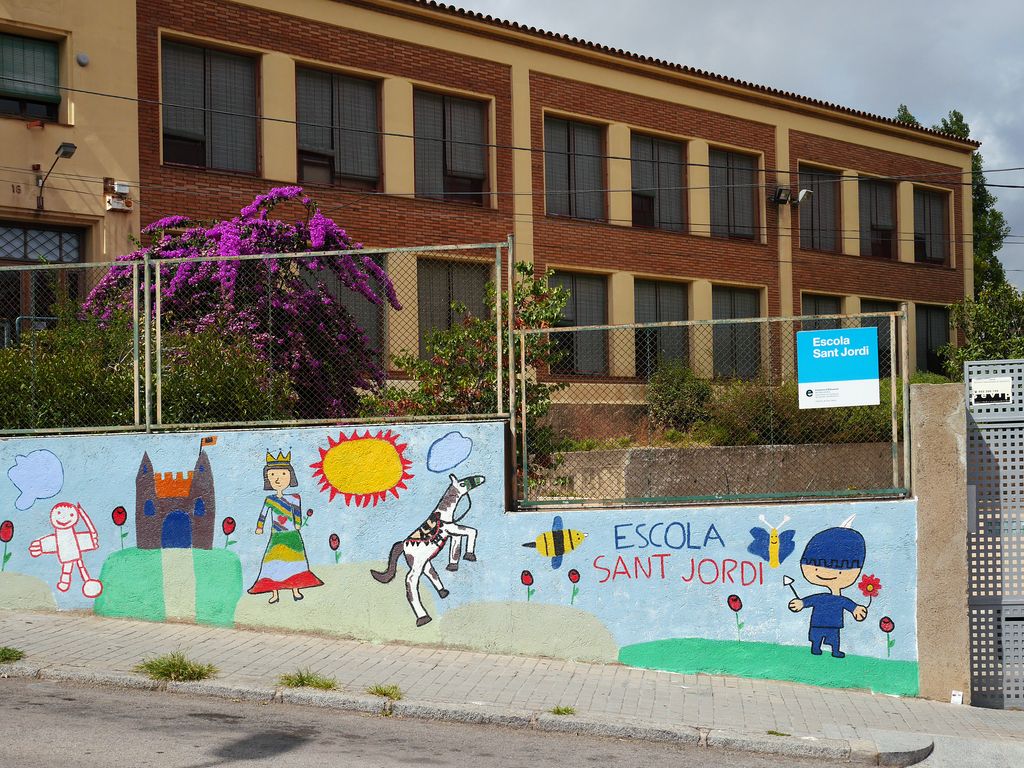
(284, 565)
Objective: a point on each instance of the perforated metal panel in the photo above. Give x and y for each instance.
(995, 477)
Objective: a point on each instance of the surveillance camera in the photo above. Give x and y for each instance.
(802, 195)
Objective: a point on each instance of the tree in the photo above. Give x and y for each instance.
(990, 227)
(285, 309)
(992, 327)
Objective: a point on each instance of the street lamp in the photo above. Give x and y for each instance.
(65, 150)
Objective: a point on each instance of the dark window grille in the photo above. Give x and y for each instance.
(451, 148)
(448, 291)
(877, 218)
(932, 335)
(209, 108)
(29, 77)
(734, 194)
(737, 346)
(658, 169)
(338, 129)
(581, 352)
(659, 302)
(821, 305)
(574, 169)
(819, 215)
(931, 226)
(883, 324)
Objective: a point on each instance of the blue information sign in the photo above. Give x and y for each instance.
(837, 368)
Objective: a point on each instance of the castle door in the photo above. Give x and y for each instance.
(177, 532)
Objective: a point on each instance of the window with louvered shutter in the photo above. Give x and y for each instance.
(885, 339)
(658, 174)
(819, 216)
(209, 108)
(451, 147)
(29, 77)
(447, 291)
(932, 335)
(877, 218)
(659, 302)
(931, 239)
(338, 129)
(736, 346)
(574, 169)
(581, 352)
(734, 194)
(821, 305)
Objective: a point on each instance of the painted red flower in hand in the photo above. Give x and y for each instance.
(870, 586)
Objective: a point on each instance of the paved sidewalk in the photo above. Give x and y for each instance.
(78, 643)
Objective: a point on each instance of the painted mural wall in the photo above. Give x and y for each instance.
(399, 533)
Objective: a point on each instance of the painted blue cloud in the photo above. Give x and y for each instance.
(39, 475)
(448, 452)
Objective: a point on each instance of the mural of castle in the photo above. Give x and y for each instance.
(175, 510)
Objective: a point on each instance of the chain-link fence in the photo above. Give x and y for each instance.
(700, 411)
(324, 337)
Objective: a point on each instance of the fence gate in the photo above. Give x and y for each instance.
(995, 533)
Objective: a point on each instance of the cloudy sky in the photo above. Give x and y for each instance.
(933, 55)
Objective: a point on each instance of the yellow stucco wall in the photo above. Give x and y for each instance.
(104, 129)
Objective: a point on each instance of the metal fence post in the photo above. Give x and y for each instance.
(135, 344)
(905, 342)
(499, 361)
(511, 362)
(159, 354)
(147, 305)
(894, 403)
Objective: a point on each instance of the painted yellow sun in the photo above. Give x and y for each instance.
(363, 468)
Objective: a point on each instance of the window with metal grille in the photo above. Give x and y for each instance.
(581, 352)
(657, 301)
(448, 291)
(819, 215)
(877, 218)
(931, 226)
(734, 194)
(658, 179)
(932, 335)
(209, 108)
(737, 346)
(28, 299)
(574, 169)
(451, 147)
(338, 125)
(885, 335)
(29, 77)
(820, 305)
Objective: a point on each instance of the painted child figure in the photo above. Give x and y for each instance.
(68, 545)
(833, 559)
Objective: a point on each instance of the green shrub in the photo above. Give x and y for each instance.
(307, 678)
(175, 666)
(9, 655)
(676, 398)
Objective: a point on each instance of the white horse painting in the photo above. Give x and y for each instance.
(422, 545)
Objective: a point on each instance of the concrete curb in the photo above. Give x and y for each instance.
(859, 752)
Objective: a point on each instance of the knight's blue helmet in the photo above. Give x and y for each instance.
(839, 548)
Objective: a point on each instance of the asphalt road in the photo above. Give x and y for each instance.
(45, 724)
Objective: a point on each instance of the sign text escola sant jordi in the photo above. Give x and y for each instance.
(838, 367)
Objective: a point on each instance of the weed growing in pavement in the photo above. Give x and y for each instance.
(778, 733)
(563, 710)
(392, 692)
(175, 667)
(7, 655)
(307, 678)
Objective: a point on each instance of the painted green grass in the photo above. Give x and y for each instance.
(773, 662)
(307, 678)
(218, 585)
(133, 585)
(392, 692)
(563, 710)
(175, 666)
(9, 655)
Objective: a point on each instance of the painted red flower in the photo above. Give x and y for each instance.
(735, 603)
(574, 576)
(870, 585)
(886, 625)
(334, 541)
(228, 525)
(527, 578)
(119, 516)
(6, 531)
(309, 513)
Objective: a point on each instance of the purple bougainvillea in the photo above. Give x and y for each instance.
(288, 309)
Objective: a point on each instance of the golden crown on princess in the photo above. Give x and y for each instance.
(282, 458)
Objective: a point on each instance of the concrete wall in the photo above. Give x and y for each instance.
(938, 423)
(684, 589)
